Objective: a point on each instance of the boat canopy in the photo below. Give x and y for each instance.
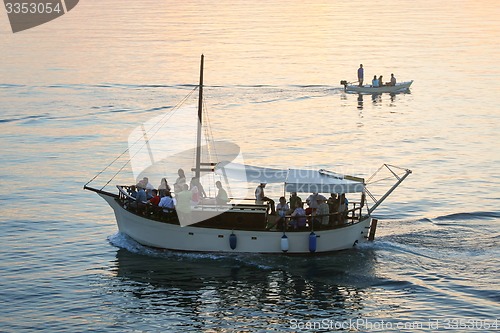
(295, 180)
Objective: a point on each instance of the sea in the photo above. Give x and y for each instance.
(74, 89)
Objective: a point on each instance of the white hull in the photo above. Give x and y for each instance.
(378, 90)
(197, 239)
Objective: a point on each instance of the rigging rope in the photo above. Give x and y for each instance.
(168, 115)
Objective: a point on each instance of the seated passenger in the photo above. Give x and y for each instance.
(167, 203)
(132, 191)
(298, 219)
(197, 191)
(155, 200)
(221, 198)
(375, 81)
(140, 198)
(164, 187)
(380, 82)
(147, 184)
(282, 208)
(393, 80)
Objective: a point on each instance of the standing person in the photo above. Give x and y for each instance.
(293, 201)
(180, 181)
(260, 197)
(393, 80)
(333, 203)
(323, 212)
(312, 201)
(183, 205)
(361, 74)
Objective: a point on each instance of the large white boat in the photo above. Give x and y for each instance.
(245, 225)
(369, 89)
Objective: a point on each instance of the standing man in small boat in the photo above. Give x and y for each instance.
(361, 74)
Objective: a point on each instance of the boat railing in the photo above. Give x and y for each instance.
(243, 205)
(336, 219)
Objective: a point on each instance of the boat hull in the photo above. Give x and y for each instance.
(198, 239)
(378, 90)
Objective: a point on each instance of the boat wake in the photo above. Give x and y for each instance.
(468, 216)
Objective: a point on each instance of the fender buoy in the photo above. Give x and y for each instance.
(284, 243)
(312, 242)
(232, 241)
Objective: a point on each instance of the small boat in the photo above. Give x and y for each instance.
(368, 89)
(242, 225)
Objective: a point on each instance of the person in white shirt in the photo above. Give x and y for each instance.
(260, 197)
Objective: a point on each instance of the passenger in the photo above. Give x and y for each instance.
(260, 197)
(221, 198)
(148, 185)
(293, 201)
(155, 200)
(333, 203)
(312, 201)
(375, 82)
(323, 212)
(198, 193)
(167, 202)
(132, 191)
(149, 194)
(141, 193)
(140, 198)
(332, 200)
(183, 205)
(380, 82)
(393, 80)
(282, 208)
(180, 181)
(298, 219)
(163, 188)
(343, 206)
(361, 74)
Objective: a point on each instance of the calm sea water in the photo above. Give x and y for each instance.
(72, 90)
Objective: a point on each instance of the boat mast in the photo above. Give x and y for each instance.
(200, 115)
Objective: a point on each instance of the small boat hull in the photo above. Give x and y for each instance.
(162, 235)
(399, 87)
